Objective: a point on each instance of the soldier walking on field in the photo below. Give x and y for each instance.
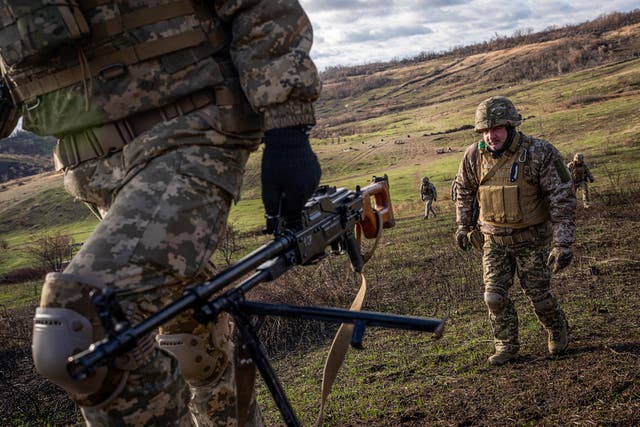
(581, 175)
(157, 105)
(428, 194)
(526, 206)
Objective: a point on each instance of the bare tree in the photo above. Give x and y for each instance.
(229, 243)
(50, 250)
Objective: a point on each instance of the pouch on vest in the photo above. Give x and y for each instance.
(499, 203)
(29, 30)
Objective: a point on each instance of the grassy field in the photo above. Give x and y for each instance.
(593, 111)
(405, 129)
(406, 378)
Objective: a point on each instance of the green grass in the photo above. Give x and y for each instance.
(20, 294)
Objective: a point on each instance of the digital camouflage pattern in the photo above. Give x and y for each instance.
(496, 111)
(164, 198)
(529, 262)
(157, 236)
(581, 176)
(544, 167)
(270, 50)
(539, 165)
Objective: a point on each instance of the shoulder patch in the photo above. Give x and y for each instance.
(562, 170)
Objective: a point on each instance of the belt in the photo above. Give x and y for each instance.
(518, 237)
(100, 141)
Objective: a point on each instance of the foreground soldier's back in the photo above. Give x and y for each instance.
(157, 106)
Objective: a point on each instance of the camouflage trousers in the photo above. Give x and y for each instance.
(528, 261)
(161, 221)
(585, 192)
(428, 208)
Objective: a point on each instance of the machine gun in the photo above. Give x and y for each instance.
(329, 219)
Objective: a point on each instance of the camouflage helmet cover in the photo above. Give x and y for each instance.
(496, 111)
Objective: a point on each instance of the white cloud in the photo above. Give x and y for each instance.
(348, 32)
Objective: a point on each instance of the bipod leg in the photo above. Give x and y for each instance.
(250, 340)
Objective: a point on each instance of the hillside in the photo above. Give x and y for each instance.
(578, 87)
(24, 154)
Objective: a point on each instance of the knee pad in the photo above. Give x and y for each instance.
(197, 362)
(65, 324)
(546, 304)
(495, 302)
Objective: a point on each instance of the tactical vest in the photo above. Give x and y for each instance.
(427, 189)
(118, 68)
(506, 199)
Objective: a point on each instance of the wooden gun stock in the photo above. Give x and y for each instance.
(376, 200)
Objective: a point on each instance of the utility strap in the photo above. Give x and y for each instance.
(101, 66)
(100, 141)
(342, 340)
(338, 350)
(511, 152)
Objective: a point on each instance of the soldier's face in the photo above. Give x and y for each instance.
(495, 137)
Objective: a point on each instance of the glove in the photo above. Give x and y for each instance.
(462, 239)
(476, 238)
(423, 197)
(559, 258)
(290, 175)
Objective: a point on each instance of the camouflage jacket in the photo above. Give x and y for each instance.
(543, 168)
(579, 172)
(428, 191)
(134, 60)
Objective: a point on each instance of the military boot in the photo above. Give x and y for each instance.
(503, 354)
(558, 338)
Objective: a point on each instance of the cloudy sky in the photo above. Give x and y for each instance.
(349, 32)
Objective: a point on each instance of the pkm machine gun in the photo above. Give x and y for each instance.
(329, 219)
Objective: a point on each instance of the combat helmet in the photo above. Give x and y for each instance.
(578, 158)
(496, 111)
(425, 179)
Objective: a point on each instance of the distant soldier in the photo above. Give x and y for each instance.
(428, 194)
(526, 202)
(580, 174)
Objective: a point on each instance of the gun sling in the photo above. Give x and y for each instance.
(343, 337)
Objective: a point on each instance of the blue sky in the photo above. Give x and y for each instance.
(349, 32)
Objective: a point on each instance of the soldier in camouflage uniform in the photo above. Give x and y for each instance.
(527, 204)
(157, 105)
(428, 194)
(581, 174)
